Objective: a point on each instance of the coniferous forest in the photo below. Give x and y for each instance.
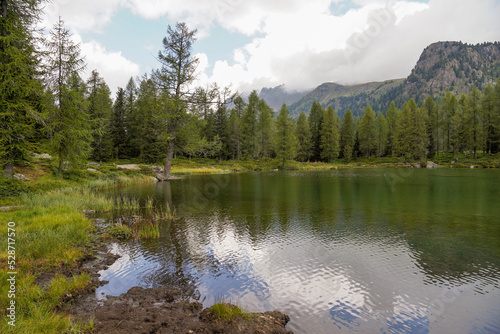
(46, 105)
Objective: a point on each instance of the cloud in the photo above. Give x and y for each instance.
(112, 66)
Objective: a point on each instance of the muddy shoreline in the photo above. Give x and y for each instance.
(156, 310)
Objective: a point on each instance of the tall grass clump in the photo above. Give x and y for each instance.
(228, 312)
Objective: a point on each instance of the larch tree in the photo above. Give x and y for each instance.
(347, 136)
(474, 119)
(303, 135)
(118, 126)
(265, 125)
(315, 121)
(69, 121)
(330, 145)
(391, 116)
(381, 130)
(20, 87)
(100, 110)
(176, 74)
(488, 105)
(403, 134)
(367, 133)
(249, 127)
(286, 144)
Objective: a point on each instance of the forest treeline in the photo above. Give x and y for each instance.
(46, 104)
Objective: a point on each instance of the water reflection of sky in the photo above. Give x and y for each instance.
(328, 276)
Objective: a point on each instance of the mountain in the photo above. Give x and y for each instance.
(275, 97)
(342, 97)
(442, 66)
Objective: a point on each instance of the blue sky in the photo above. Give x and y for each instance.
(265, 43)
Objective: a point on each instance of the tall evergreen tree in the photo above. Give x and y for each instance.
(265, 129)
(20, 89)
(286, 144)
(131, 120)
(330, 145)
(381, 134)
(488, 105)
(303, 135)
(432, 110)
(177, 72)
(118, 124)
(461, 137)
(221, 125)
(473, 111)
(249, 128)
(99, 110)
(347, 136)
(403, 133)
(69, 121)
(449, 109)
(391, 116)
(367, 133)
(420, 141)
(315, 121)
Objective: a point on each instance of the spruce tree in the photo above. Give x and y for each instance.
(347, 136)
(403, 134)
(488, 105)
(20, 87)
(286, 143)
(474, 119)
(303, 135)
(432, 110)
(330, 145)
(449, 109)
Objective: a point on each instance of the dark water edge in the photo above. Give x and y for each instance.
(377, 250)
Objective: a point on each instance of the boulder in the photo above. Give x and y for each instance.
(129, 166)
(431, 164)
(93, 164)
(21, 177)
(92, 170)
(42, 156)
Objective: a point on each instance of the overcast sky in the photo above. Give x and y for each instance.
(251, 44)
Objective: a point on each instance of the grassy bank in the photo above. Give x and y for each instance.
(50, 236)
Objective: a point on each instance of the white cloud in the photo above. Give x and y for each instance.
(112, 66)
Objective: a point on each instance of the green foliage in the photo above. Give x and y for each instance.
(249, 128)
(381, 131)
(285, 136)
(303, 135)
(315, 122)
(367, 133)
(119, 232)
(347, 136)
(330, 145)
(228, 312)
(21, 109)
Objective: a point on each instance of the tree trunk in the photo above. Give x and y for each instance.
(168, 160)
(60, 165)
(8, 170)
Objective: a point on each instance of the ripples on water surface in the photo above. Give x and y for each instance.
(351, 251)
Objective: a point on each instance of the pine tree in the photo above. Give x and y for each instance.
(99, 110)
(303, 135)
(330, 136)
(347, 136)
(286, 142)
(420, 141)
(315, 121)
(381, 134)
(221, 125)
(249, 139)
(69, 121)
(367, 133)
(461, 137)
(20, 88)
(403, 134)
(131, 121)
(392, 116)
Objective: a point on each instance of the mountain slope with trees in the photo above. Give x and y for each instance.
(443, 66)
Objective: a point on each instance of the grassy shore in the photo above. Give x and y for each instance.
(50, 233)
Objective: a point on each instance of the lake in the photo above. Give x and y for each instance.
(348, 250)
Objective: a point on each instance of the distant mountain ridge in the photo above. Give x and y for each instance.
(442, 66)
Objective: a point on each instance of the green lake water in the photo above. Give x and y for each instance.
(347, 251)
